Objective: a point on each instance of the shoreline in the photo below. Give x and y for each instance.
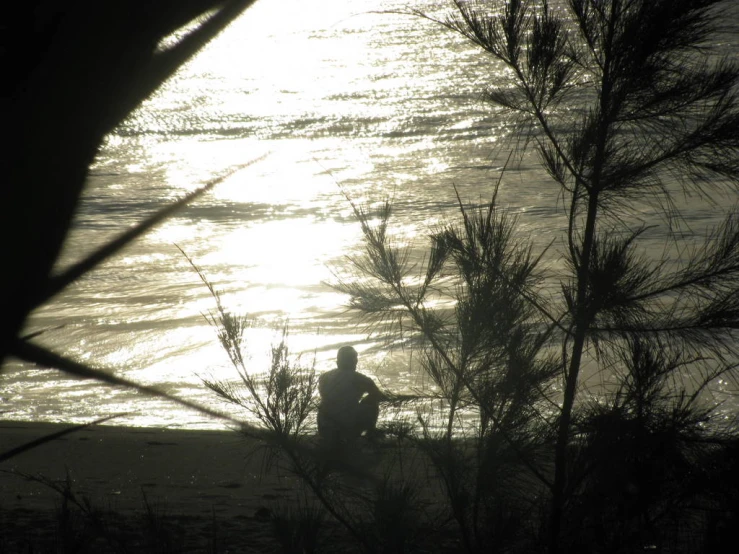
(204, 484)
(198, 472)
(199, 484)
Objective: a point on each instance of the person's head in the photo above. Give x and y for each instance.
(346, 358)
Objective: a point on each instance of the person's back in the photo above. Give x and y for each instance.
(343, 412)
(341, 390)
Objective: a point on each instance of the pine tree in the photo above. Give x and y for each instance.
(627, 106)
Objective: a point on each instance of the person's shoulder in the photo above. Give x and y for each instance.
(328, 373)
(363, 378)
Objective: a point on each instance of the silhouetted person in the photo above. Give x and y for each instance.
(349, 400)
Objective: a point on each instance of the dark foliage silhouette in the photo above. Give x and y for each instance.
(75, 70)
(626, 106)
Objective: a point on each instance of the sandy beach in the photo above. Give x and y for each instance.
(163, 490)
(201, 478)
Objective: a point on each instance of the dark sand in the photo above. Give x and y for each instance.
(196, 478)
(210, 490)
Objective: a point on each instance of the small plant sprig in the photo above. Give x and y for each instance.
(281, 398)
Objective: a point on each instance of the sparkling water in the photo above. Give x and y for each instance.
(332, 98)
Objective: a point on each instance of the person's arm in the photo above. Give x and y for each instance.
(373, 391)
(322, 385)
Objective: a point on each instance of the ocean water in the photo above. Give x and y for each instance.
(331, 98)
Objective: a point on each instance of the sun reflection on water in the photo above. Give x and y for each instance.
(334, 95)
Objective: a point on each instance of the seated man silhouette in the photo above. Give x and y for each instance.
(349, 400)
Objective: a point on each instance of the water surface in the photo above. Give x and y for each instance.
(332, 98)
